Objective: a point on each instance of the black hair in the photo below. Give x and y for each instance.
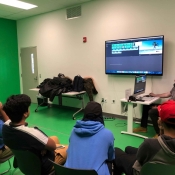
(170, 123)
(16, 106)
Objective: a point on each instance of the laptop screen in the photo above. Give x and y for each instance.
(140, 84)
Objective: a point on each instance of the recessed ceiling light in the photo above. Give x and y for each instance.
(18, 4)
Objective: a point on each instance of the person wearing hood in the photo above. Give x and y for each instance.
(91, 145)
(160, 150)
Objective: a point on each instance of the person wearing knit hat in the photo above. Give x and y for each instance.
(153, 150)
(91, 145)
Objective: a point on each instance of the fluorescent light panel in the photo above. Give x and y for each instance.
(18, 4)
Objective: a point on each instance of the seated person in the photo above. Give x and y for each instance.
(17, 135)
(4, 150)
(151, 111)
(91, 144)
(153, 150)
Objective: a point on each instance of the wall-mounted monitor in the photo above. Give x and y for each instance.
(135, 56)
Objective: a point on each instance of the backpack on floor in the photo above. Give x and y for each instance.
(78, 83)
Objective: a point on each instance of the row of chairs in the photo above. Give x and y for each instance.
(30, 164)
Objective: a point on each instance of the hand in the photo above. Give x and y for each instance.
(152, 94)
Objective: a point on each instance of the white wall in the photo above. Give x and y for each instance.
(60, 48)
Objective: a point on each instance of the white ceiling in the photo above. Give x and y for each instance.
(43, 7)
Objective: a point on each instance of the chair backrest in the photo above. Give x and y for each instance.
(157, 169)
(61, 170)
(28, 162)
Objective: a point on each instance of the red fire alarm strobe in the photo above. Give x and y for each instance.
(84, 39)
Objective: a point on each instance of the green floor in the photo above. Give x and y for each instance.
(58, 121)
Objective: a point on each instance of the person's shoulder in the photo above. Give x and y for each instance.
(107, 132)
(34, 132)
(150, 142)
(34, 129)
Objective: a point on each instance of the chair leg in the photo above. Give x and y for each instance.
(8, 169)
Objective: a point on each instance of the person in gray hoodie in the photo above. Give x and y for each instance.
(160, 150)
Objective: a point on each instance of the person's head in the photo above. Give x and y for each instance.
(17, 107)
(93, 112)
(167, 115)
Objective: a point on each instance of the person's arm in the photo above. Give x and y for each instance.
(143, 154)
(3, 115)
(164, 95)
(51, 146)
(111, 153)
(111, 150)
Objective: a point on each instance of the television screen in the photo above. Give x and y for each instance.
(143, 55)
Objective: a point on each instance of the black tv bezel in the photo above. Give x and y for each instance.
(145, 37)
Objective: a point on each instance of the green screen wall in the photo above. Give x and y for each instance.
(9, 65)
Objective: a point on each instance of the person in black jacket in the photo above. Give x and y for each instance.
(160, 150)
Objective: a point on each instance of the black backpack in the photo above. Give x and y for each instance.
(78, 83)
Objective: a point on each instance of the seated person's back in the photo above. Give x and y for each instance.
(18, 136)
(25, 138)
(161, 150)
(91, 144)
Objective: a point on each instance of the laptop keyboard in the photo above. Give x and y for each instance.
(148, 98)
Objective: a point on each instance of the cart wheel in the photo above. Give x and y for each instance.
(74, 118)
(36, 110)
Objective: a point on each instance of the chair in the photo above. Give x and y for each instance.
(28, 162)
(4, 160)
(157, 169)
(61, 170)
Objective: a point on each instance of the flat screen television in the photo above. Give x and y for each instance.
(135, 56)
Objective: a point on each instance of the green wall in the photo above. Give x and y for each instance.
(9, 65)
